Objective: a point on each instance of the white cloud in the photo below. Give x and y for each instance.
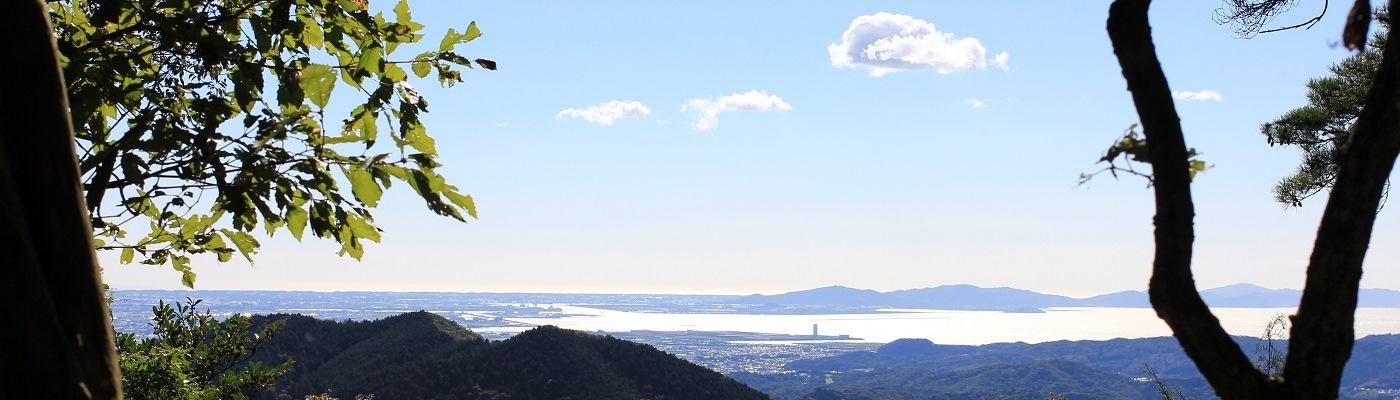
(502, 124)
(1199, 95)
(753, 100)
(1000, 61)
(606, 113)
(975, 103)
(885, 43)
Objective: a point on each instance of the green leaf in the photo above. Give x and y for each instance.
(245, 242)
(449, 39)
(361, 127)
(353, 5)
(370, 59)
(311, 33)
(394, 73)
(148, 207)
(271, 223)
(397, 172)
(461, 200)
(1197, 166)
(208, 221)
(296, 221)
(362, 229)
(417, 137)
(349, 244)
(317, 81)
(220, 249)
(472, 33)
(368, 127)
(422, 68)
(127, 255)
(182, 264)
(401, 12)
(363, 185)
(348, 76)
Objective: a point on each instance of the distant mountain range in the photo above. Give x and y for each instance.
(909, 369)
(421, 355)
(968, 297)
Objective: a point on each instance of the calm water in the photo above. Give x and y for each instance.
(944, 326)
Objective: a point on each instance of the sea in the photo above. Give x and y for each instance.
(498, 315)
(941, 326)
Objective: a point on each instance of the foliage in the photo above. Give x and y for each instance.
(195, 356)
(1269, 355)
(1164, 390)
(1132, 148)
(196, 121)
(1321, 128)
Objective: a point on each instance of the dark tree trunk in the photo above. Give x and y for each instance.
(1172, 289)
(58, 340)
(1322, 333)
(1323, 328)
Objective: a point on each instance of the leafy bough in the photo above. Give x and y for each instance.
(206, 120)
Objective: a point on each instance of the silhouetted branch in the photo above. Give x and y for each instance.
(1250, 16)
(1172, 289)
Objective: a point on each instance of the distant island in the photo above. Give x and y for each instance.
(825, 300)
(968, 297)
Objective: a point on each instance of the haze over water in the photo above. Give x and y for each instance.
(945, 326)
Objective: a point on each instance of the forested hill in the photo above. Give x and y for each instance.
(917, 369)
(421, 355)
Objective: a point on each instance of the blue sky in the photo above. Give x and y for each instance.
(886, 182)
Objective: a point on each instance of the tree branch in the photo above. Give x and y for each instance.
(1172, 289)
(1322, 330)
(1309, 23)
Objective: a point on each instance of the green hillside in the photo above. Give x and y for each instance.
(421, 355)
